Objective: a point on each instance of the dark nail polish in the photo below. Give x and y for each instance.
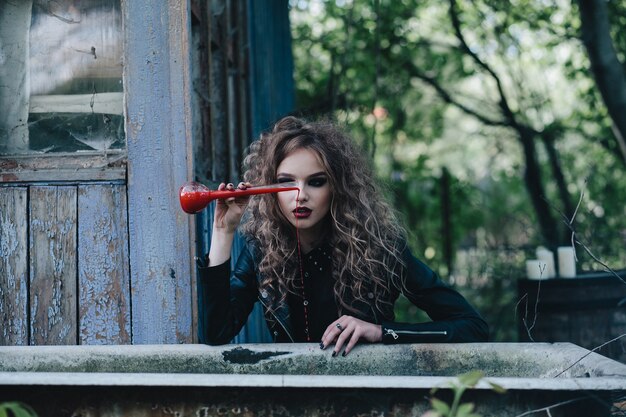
(322, 346)
(334, 354)
(344, 353)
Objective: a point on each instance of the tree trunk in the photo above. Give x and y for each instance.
(446, 220)
(534, 185)
(561, 184)
(605, 64)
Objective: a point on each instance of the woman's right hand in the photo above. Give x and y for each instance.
(228, 212)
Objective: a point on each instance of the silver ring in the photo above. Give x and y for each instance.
(339, 326)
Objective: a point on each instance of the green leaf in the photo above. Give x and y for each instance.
(465, 410)
(440, 406)
(471, 378)
(21, 412)
(497, 388)
(17, 409)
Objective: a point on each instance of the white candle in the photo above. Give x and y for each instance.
(567, 262)
(547, 256)
(535, 269)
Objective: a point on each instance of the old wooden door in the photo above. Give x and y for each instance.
(94, 143)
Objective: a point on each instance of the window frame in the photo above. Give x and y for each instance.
(63, 167)
(78, 166)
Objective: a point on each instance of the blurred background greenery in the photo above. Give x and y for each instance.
(496, 126)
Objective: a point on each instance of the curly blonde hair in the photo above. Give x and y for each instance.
(366, 238)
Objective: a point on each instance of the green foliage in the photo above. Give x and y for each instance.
(458, 387)
(16, 409)
(419, 103)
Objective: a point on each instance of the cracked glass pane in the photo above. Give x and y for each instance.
(60, 76)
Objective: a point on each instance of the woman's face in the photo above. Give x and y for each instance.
(309, 208)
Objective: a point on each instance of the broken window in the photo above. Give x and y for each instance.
(61, 76)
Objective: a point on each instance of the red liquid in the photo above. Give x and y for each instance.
(194, 197)
(306, 310)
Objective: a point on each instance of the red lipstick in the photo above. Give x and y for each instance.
(302, 212)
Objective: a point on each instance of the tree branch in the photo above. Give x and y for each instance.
(456, 23)
(569, 223)
(447, 97)
(589, 353)
(550, 407)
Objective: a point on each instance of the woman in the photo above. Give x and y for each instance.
(328, 261)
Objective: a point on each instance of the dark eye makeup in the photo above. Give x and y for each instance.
(318, 181)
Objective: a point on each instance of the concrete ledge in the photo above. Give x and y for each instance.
(302, 380)
(519, 365)
(296, 381)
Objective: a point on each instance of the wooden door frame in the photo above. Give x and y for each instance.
(157, 82)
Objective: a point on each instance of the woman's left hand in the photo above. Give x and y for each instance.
(350, 329)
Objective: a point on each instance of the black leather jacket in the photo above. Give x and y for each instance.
(224, 305)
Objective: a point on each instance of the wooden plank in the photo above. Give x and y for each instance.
(68, 175)
(271, 96)
(243, 71)
(158, 126)
(271, 63)
(13, 266)
(105, 103)
(53, 265)
(15, 23)
(218, 91)
(103, 276)
(76, 166)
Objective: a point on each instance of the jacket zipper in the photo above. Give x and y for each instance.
(277, 319)
(394, 333)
